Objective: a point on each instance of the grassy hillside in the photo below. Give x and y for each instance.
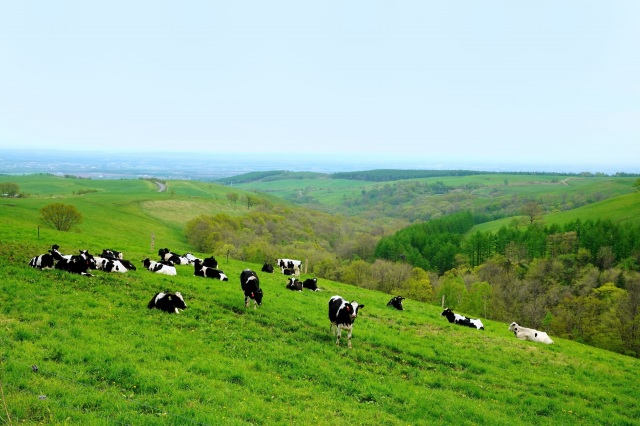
(104, 358)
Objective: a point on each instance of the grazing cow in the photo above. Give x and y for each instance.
(311, 284)
(342, 314)
(168, 302)
(523, 333)
(251, 286)
(77, 264)
(204, 271)
(210, 262)
(462, 320)
(159, 268)
(396, 302)
(46, 260)
(111, 254)
(109, 265)
(294, 284)
(268, 268)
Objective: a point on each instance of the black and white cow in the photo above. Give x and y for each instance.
(311, 284)
(77, 264)
(210, 262)
(204, 271)
(111, 254)
(462, 320)
(524, 333)
(251, 287)
(159, 268)
(46, 260)
(191, 258)
(109, 265)
(268, 268)
(287, 271)
(168, 302)
(166, 255)
(396, 302)
(127, 264)
(294, 284)
(342, 314)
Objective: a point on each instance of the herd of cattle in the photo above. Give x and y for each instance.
(342, 313)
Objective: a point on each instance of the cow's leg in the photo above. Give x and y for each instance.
(349, 337)
(246, 302)
(338, 334)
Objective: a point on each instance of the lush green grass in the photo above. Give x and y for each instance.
(104, 358)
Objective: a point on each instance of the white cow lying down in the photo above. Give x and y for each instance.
(523, 333)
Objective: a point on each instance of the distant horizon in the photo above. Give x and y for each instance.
(215, 165)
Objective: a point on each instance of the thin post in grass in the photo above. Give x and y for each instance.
(38, 231)
(443, 301)
(153, 241)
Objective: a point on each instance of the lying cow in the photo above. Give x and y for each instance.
(168, 302)
(462, 320)
(46, 260)
(396, 302)
(342, 314)
(159, 268)
(77, 264)
(251, 287)
(111, 254)
(268, 268)
(204, 271)
(311, 284)
(523, 333)
(294, 284)
(109, 265)
(167, 255)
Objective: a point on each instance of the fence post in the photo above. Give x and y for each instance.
(153, 241)
(443, 301)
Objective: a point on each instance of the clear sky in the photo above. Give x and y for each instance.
(450, 82)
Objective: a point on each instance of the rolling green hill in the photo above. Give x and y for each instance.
(103, 358)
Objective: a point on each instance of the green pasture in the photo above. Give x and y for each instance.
(103, 358)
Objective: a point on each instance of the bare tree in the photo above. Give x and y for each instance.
(533, 211)
(60, 216)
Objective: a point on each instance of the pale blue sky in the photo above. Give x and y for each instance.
(450, 82)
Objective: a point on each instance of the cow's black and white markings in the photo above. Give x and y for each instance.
(342, 314)
(311, 284)
(112, 254)
(46, 260)
(109, 265)
(210, 262)
(168, 302)
(396, 302)
(77, 264)
(462, 320)
(531, 334)
(250, 284)
(159, 268)
(294, 284)
(203, 271)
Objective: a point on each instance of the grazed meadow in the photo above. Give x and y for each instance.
(104, 358)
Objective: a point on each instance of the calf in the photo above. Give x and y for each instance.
(342, 314)
(268, 268)
(251, 287)
(523, 333)
(294, 284)
(462, 320)
(311, 284)
(77, 264)
(159, 268)
(46, 260)
(204, 271)
(109, 265)
(396, 302)
(168, 302)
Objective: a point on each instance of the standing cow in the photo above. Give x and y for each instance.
(251, 287)
(342, 314)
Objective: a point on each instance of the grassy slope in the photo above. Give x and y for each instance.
(104, 358)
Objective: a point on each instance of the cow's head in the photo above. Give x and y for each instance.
(353, 309)
(178, 300)
(513, 327)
